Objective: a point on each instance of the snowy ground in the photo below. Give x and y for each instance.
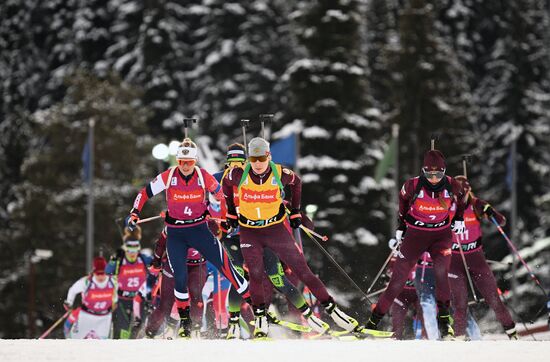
(268, 351)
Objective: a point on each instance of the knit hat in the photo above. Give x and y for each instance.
(99, 265)
(236, 152)
(434, 161)
(463, 181)
(187, 150)
(258, 147)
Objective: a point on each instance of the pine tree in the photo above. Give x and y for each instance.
(50, 206)
(328, 95)
(422, 67)
(239, 66)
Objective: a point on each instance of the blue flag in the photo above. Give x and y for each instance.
(283, 150)
(86, 163)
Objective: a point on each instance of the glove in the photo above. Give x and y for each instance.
(398, 236)
(67, 306)
(393, 244)
(232, 221)
(295, 219)
(459, 227)
(155, 267)
(132, 220)
(488, 210)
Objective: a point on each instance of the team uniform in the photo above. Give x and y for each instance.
(186, 198)
(274, 272)
(424, 212)
(471, 243)
(130, 276)
(261, 218)
(93, 320)
(164, 305)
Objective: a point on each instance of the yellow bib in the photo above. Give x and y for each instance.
(260, 205)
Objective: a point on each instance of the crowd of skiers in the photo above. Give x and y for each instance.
(227, 256)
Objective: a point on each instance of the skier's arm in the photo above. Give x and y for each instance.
(153, 188)
(405, 196)
(213, 186)
(484, 208)
(294, 181)
(459, 199)
(78, 287)
(231, 179)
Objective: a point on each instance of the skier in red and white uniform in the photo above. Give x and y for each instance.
(129, 265)
(99, 297)
(187, 187)
(424, 218)
(471, 243)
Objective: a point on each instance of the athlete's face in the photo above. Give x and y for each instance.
(186, 166)
(100, 277)
(433, 176)
(259, 164)
(233, 164)
(132, 256)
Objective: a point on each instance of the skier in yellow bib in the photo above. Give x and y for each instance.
(262, 218)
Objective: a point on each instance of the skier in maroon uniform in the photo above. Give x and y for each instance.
(481, 274)
(424, 208)
(261, 218)
(196, 276)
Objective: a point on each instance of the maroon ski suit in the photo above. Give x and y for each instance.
(428, 228)
(481, 274)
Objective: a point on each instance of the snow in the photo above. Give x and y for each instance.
(277, 351)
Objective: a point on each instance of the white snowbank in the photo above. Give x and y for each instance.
(276, 351)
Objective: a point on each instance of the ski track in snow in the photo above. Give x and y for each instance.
(276, 351)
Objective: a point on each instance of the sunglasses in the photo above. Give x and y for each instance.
(436, 174)
(257, 158)
(186, 162)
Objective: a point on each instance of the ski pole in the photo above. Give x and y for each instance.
(57, 322)
(467, 272)
(379, 291)
(531, 274)
(244, 125)
(265, 118)
(381, 270)
(306, 229)
(335, 263)
(160, 216)
(186, 122)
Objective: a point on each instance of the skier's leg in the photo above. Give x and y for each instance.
(176, 248)
(485, 282)
(197, 277)
(459, 288)
(162, 311)
(211, 249)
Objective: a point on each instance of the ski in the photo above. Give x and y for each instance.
(354, 336)
(272, 318)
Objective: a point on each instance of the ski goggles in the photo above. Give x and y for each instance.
(430, 174)
(257, 158)
(186, 162)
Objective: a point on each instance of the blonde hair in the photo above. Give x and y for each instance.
(132, 234)
(187, 142)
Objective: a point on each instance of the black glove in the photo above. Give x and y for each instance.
(295, 218)
(232, 221)
(488, 210)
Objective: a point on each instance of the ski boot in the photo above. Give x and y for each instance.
(340, 318)
(445, 324)
(234, 330)
(184, 330)
(314, 322)
(512, 333)
(261, 327)
(373, 321)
